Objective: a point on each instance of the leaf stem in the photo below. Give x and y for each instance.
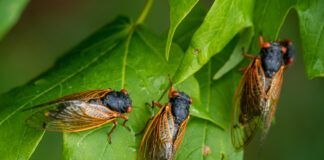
(145, 11)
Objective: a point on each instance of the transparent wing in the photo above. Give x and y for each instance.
(180, 134)
(84, 96)
(71, 116)
(157, 140)
(246, 118)
(87, 95)
(272, 99)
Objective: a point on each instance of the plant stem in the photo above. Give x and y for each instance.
(146, 9)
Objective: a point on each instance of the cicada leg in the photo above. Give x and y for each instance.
(249, 56)
(124, 123)
(153, 104)
(115, 123)
(246, 55)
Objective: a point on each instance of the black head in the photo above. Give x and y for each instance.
(271, 54)
(289, 52)
(118, 101)
(180, 103)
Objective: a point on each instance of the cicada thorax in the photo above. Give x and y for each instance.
(116, 101)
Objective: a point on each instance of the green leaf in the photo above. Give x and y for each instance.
(311, 21)
(10, 11)
(146, 78)
(178, 11)
(270, 15)
(223, 21)
(216, 97)
(67, 76)
(235, 52)
(189, 25)
(192, 22)
(119, 55)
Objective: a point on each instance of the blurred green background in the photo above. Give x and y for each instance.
(49, 28)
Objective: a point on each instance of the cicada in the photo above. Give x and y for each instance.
(166, 131)
(82, 111)
(258, 92)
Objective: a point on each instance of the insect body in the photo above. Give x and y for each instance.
(166, 131)
(82, 111)
(258, 92)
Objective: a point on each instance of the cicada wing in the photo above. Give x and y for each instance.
(157, 140)
(272, 99)
(246, 118)
(87, 95)
(84, 96)
(71, 116)
(180, 135)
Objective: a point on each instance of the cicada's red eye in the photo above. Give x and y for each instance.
(124, 91)
(174, 94)
(284, 50)
(129, 109)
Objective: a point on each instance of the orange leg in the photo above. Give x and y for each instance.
(115, 123)
(249, 56)
(154, 103)
(124, 123)
(172, 91)
(246, 55)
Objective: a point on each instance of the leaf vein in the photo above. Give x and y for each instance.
(151, 46)
(125, 60)
(21, 142)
